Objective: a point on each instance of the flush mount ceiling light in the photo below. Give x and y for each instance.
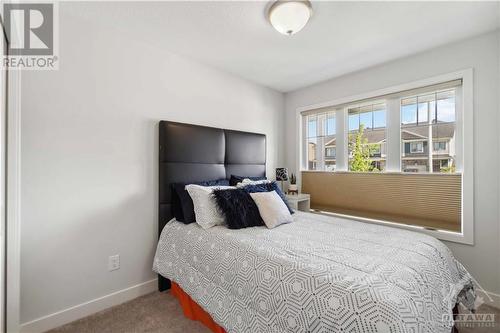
(290, 16)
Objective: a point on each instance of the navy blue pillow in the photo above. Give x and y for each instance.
(182, 204)
(238, 208)
(268, 187)
(176, 204)
(238, 179)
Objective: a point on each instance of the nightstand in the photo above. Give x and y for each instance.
(300, 201)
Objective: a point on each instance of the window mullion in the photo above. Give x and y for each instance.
(341, 139)
(393, 135)
(304, 147)
(320, 141)
(459, 125)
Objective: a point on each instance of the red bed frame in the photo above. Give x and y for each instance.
(193, 311)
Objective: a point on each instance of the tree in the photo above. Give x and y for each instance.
(361, 152)
(449, 169)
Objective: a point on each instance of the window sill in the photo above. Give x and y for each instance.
(445, 235)
(386, 173)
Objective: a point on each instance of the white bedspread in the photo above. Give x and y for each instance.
(317, 274)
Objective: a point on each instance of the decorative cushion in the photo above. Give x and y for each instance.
(268, 187)
(182, 204)
(234, 180)
(248, 181)
(205, 209)
(177, 204)
(272, 209)
(238, 208)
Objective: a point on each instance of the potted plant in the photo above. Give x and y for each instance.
(293, 183)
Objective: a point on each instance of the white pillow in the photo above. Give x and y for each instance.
(248, 181)
(205, 208)
(272, 209)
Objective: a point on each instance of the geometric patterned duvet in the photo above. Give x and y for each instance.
(317, 274)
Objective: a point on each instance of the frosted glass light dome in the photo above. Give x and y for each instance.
(289, 17)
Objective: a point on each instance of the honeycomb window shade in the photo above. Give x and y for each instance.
(429, 200)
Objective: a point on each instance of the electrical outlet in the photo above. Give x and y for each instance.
(114, 262)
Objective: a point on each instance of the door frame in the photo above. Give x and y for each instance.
(13, 202)
(12, 259)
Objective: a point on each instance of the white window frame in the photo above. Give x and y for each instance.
(464, 127)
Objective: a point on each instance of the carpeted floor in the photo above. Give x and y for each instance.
(160, 312)
(153, 313)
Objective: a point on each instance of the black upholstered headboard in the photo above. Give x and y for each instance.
(192, 153)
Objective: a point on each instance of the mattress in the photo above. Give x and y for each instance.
(317, 274)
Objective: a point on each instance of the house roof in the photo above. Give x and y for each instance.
(373, 136)
(331, 142)
(330, 138)
(439, 131)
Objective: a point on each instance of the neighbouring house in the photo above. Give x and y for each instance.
(418, 152)
(311, 156)
(415, 144)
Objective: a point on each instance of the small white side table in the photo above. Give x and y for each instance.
(299, 201)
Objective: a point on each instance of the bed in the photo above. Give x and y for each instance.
(317, 274)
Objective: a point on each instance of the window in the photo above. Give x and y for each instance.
(367, 124)
(368, 116)
(430, 118)
(330, 124)
(440, 146)
(320, 136)
(376, 165)
(330, 152)
(416, 147)
(427, 132)
(396, 135)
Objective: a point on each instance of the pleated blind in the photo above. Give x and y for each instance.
(427, 200)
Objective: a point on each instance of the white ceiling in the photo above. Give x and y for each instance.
(341, 37)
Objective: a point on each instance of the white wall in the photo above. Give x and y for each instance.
(89, 157)
(480, 53)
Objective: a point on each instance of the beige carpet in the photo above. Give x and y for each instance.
(160, 312)
(155, 312)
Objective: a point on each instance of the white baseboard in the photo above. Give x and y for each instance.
(489, 298)
(68, 315)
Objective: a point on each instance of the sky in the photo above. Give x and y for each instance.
(445, 111)
(377, 119)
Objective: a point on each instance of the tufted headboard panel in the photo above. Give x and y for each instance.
(192, 153)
